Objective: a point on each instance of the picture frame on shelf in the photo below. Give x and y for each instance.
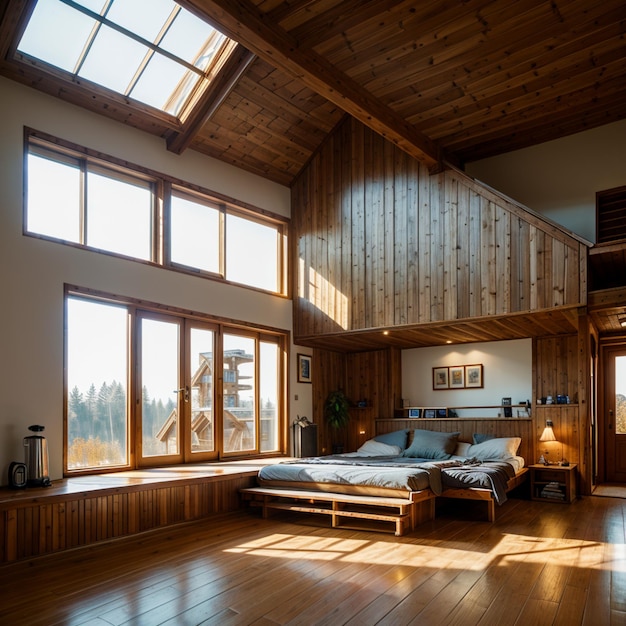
(456, 377)
(474, 376)
(430, 413)
(414, 412)
(304, 368)
(440, 378)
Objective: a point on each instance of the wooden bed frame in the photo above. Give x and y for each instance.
(486, 495)
(373, 512)
(403, 513)
(357, 512)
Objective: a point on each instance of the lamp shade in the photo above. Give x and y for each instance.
(548, 433)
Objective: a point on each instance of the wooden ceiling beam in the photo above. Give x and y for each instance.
(219, 89)
(242, 21)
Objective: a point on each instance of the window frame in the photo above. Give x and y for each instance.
(139, 310)
(163, 186)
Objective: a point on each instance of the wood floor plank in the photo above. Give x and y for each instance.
(538, 563)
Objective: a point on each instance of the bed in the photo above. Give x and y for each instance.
(394, 478)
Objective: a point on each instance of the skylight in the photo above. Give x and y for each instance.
(153, 51)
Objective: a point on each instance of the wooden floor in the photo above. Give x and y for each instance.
(539, 563)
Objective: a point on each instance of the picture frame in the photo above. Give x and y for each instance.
(456, 377)
(474, 376)
(414, 412)
(304, 368)
(430, 413)
(440, 378)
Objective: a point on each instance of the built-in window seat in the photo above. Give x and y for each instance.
(82, 510)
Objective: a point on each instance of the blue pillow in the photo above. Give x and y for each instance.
(428, 444)
(479, 438)
(395, 438)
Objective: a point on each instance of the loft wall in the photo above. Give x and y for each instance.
(380, 242)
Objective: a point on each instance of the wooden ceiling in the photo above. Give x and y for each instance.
(496, 328)
(445, 80)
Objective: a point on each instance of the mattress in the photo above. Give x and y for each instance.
(390, 475)
(384, 473)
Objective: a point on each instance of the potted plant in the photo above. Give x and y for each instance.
(336, 409)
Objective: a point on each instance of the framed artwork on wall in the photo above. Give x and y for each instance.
(440, 378)
(473, 376)
(304, 368)
(456, 376)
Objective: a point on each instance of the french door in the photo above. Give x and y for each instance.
(614, 413)
(176, 391)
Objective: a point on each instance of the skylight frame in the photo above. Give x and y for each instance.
(192, 82)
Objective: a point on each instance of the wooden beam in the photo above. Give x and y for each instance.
(242, 21)
(233, 69)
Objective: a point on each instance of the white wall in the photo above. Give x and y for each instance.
(33, 272)
(560, 178)
(507, 372)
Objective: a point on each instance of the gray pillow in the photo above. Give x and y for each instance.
(480, 437)
(428, 444)
(395, 438)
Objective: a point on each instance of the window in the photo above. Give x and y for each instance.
(97, 383)
(73, 199)
(77, 197)
(163, 410)
(152, 51)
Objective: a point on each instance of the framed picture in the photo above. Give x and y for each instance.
(440, 378)
(304, 368)
(430, 413)
(473, 376)
(456, 377)
(414, 412)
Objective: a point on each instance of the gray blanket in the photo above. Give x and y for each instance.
(492, 475)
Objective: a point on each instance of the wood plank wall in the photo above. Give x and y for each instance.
(380, 242)
(40, 525)
(374, 377)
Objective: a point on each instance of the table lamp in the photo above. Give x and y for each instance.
(547, 435)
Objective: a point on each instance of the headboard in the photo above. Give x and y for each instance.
(497, 426)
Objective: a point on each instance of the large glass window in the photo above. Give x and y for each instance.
(77, 197)
(97, 383)
(141, 387)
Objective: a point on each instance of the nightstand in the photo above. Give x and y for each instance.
(553, 483)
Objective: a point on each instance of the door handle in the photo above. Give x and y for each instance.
(185, 391)
(610, 419)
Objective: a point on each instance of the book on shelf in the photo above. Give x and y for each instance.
(553, 490)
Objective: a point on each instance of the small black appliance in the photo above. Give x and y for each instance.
(17, 475)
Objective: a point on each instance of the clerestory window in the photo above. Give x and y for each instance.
(78, 197)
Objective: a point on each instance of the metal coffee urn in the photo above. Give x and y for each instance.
(37, 474)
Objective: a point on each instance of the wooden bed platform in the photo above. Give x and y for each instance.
(373, 512)
(345, 510)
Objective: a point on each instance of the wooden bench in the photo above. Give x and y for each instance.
(344, 509)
